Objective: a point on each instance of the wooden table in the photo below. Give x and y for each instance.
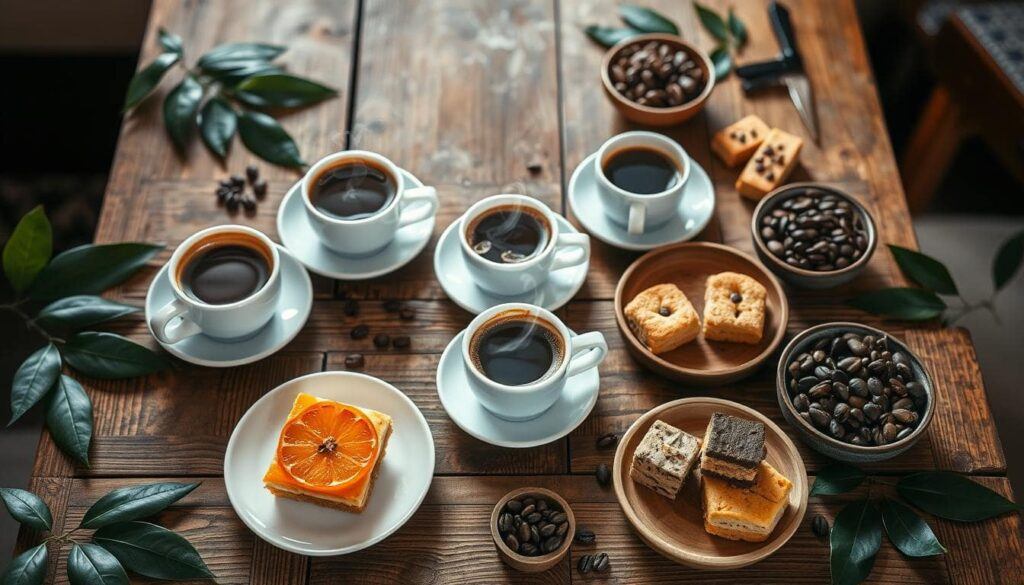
(467, 94)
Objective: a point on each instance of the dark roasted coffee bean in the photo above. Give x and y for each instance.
(248, 203)
(504, 523)
(607, 440)
(359, 332)
(259, 189)
(559, 518)
(232, 203)
(533, 518)
(351, 308)
(535, 534)
(819, 417)
(529, 501)
(381, 340)
(542, 505)
(237, 180)
(801, 402)
(548, 530)
(820, 526)
(602, 563)
(523, 534)
(252, 173)
(407, 313)
(916, 389)
(528, 509)
(859, 387)
(511, 542)
(514, 506)
(585, 564)
(561, 529)
(604, 475)
(820, 390)
(905, 416)
(551, 544)
(354, 360)
(872, 411)
(528, 549)
(841, 412)
(401, 341)
(850, 365)
(875, 386)
(823, 373)
(585, 535)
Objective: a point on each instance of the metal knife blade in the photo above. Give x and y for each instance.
(802, 95)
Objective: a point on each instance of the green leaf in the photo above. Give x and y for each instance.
(722, 61)
(108, 355)
(80, 311)
(1008, 260)
(152, 551)
(69, 419)
(34, 379)
(953, 497)
(180, 111)
(713, 23)
(854, 541)
(280, 90)
(134, 502)
(89, 564)
(230, 54)
(836, 478)
(217, 125)
(912, 304)
(28, 249)
(647, 20)
(737, 29)
(170, 41)
(145, 81)
(233, 77)
(91, 269)
(27, 508)
(268, 140)
(924, 270)
(28, 568)
(908, 531)
(608, 36)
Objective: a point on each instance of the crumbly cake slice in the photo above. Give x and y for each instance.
(664, 458)
(749, 514)
(732, 448)
(662, 318)
(734, 308)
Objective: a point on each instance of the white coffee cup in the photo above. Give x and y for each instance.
(562, 250)
(639, 213)
(187, 315)
(523, 402)
(366, 235)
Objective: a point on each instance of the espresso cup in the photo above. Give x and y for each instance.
(366, 236)
(189, 315)
(640, 213)
(560, 250)
(576, 354)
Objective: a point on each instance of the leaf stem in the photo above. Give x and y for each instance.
(30, 323)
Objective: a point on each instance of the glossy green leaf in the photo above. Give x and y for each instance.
(169, 41)
(737, 29)
(232, 77)
(912, 304)
(908, 531)
(145, 81)
(217, 125)
(80, 311)
(226, 55)
(91, 269)
(134, 502)
(152, 551)
(924, 270)
(854, 541)
(28, 568)
(107, 355)
(722, 61)
(836, 478)
(952, 496)
(90, 564)
(712, 23)
(28, 249)
(268, 140)
(647, 20)
(69, 419)
(1008, 260)
(27, 508)
(608, 36)
(280, 90)
(180, 108)
(34, 379)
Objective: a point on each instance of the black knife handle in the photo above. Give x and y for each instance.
(783, 27)
(758, 83)
(774, 67)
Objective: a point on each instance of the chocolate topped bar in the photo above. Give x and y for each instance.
(736, 440)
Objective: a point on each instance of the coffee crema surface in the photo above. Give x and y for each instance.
(640, 170)
(509, 234)
(225, 269)
(517, 348)
(353, 190)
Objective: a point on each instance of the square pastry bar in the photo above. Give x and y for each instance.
(733, 449)
(664, 458)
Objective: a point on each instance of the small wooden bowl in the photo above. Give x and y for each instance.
(676, 528)
(651, 116)
(521, 562)
(688, 265)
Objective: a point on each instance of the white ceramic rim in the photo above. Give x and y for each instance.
(337, 159)
(501, 199)
(643, 135)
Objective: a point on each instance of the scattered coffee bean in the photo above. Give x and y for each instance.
(535, 167)
(237, 180)
(252, 173)
(607, 440)
(585, 536)
(602, 563)
(407, 313)
(401, 341)
(656, 74)
(359, 332)
(604, 475)
(232, 203)
(585, 564)
(820, 527)
(248, 203)
(381, 340)
(351, 308)
(259, 188)
(817, 230)
(354, 360)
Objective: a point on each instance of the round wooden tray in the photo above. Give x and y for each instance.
(676, 528)
(688, 266)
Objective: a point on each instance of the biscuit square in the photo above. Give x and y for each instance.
(749, 514)
(732, 449)
(736, 142)
(662, 318)
(734, 318)
(664, 458)
(770, 165)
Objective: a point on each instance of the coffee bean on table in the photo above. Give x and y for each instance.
(585, 536)
(351, 308)
(381, 340)
(602, 563)
(401, 341)
(607, 440)
(585, 564)
(359, 332)
(252, 173)
(354, 360)
(259, 188)
(604, 475)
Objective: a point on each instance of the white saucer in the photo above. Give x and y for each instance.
(695, 210)
(293, 309)
(298, 236)
(457, 282)
(308, 529)
(576, 402)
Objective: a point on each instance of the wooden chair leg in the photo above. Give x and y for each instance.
(930, 150)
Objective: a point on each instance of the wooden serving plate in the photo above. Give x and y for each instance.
(676, 528)
(688, 266)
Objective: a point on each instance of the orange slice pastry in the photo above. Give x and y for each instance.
(328, 446)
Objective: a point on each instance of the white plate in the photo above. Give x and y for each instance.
(308, 529)
(696, 207)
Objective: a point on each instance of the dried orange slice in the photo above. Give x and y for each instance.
(328, 446)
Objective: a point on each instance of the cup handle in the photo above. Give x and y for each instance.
(588, 350)
(421, 212)
(636, 218)
(571, 250)
(187, 327)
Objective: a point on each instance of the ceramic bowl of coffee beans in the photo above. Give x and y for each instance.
(532, 529)
(812, 235)
(854, 393)
(657, 79)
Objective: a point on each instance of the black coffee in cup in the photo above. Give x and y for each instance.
(516, 348)
(225, 268)
(353, 190)
(509, 234)
(641, 170)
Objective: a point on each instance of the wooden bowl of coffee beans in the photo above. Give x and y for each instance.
(853, 392)
(657, 79)
(532, 529)
(813, 235)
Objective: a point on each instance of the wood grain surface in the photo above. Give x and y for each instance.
(479, 97)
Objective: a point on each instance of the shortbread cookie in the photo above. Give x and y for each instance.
(664, 458)
(749, 514)
(662, 318)
(734, 308)
(733, 447)
(736, 142)
(771, 164)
